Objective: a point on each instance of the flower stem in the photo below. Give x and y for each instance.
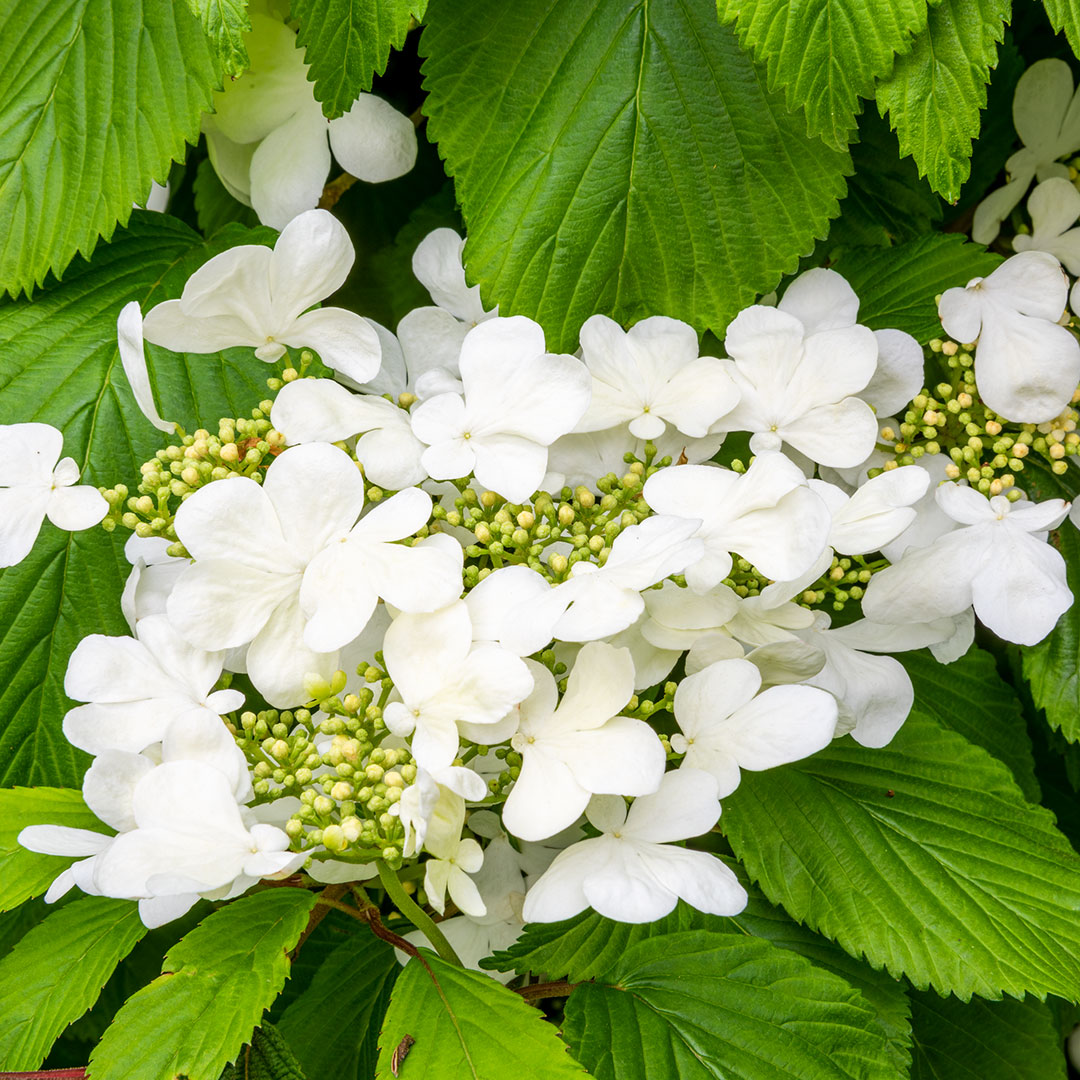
(415, 914)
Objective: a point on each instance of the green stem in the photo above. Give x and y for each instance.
(415, 914)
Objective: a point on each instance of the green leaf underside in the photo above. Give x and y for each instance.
(465, 1026)
(984, 1040)
(24, 874)
(922, 856)
(935, 92)
(269, 1057)
(619, 156)
(347, 42)
(825, 54)
(224, 23)
(57, 971)
(59, 365)
(698, 1005)
(897, 286)
(214, 986)
(1065, 15)
(95, 99)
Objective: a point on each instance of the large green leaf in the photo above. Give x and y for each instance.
(349, 41)
(268, 1057)
(59, 364)
(619, 156)
(465, 1026)
(95, 99)
(698, 1006)
(826, 54)
(57, 971)
(935, 92)
(922, 856)
(224, 22)
(1065, 15)
(984, 1040)
(214, 986)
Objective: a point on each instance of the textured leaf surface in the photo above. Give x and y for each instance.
(935, 92)
(95, 99)
(214, 986)
(924, 857)
(619, 156)
(224, 22)
(57, 971)
(465, 1026)
(1065, 15)
(698, 1005)
(268, 1057)
(349, 41)
(825, 54)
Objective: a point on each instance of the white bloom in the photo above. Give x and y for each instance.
(1026, 364)
(580, 746)
(727, 725)
(252, 295)
(35, 484)
(129, 339)
(267, 137)
(287, 567)
(448, 686)
(629, 873)
(1054, 206)
(455, 858)
(997, 561)
(1047, 118)
(768, 515)
(516, 401)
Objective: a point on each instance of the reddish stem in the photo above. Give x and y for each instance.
(47, 1074)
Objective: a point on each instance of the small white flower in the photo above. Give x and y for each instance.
(35, 484)
(1054, 207)
(455, 858)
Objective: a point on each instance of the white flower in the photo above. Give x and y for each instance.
(252, 295)
(455, 858)
(768, 515)
(579, 746)
(267, 136)
(517, 400)
(35, 484)
(448, 686)
(629, 873)
(1047, 118)
(287, 567)
(1026, 364)
(727, 725)
(1054, 206)
(651, 376)
(129, 339)
(677, 617)
(154, 572)
(997, 561)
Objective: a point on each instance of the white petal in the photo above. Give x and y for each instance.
(374, 141)
(62, 840)
(685, 805)
(697, 877)
(899, 373)
(321, 410)
(129, 338)
(345, 341)
(22, 511)
(510, 465)
(311, 260)
(545, 798)
(289, 168)
(559, 893)
(279, 658)
(438, 267)
(821, 300)
(75, 508)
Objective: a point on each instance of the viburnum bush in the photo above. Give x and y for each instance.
(547, 548)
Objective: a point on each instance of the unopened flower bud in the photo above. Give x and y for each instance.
(322, 805)
(333, 838)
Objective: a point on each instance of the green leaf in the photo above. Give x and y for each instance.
(923, 856)
(57, 971)
(59, 364)
(825, 54)
(1065, 15)
(935, 92)
(897, 286)
(15, 924)
(224, 23)
(619, 156)
(333, 1025)
(346, 42)
(214, 206)
(970, 698)
(23, 873)
(268, 1057)
(1003, 1040)
(698, 1005)
(214, 986)
(95, 99)
(465, 1025)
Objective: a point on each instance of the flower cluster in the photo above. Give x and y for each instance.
(501, 614)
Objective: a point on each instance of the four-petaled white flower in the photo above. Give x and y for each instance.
(455, 858)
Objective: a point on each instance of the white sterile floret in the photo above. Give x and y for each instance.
(35, 484)
(727, 725)
(1054, 206)
(455, 858)
(629, 873)
(252, 295)
(129, 340)
(998, 561)
(1026, 364)
(286, 566)
(267, 137)
(651, 376)
(138, 686)
(579, 746)
(448, 687)
(768, 515)
(1046, 114)
(517, 400)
